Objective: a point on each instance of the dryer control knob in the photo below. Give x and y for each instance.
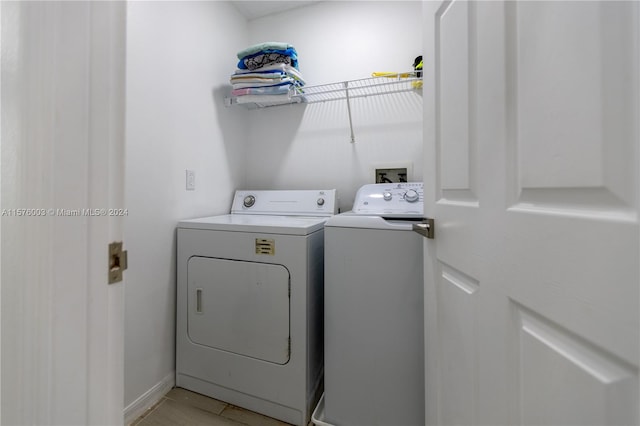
(320, 201)
(387, 196)
(249, 201)
(411, 196)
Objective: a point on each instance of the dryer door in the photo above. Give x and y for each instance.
(240, 307)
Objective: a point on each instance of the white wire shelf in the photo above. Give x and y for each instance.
(351, 89)
(382, 84)
(372, 86)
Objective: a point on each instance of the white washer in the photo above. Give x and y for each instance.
(374, 363)
(250, 302)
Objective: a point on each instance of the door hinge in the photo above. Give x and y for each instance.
(117, 262)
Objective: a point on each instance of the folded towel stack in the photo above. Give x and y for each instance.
(266, 73)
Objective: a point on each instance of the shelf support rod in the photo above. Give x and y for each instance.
(346, 90)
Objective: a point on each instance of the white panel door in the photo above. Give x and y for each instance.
(532, 176)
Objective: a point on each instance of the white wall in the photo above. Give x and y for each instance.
(308, 146)
(179, 56)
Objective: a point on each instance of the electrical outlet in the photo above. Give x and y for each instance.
(191, 180)
(389, 175)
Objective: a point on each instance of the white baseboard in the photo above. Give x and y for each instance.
(149, 398)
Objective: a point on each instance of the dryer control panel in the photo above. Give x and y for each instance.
(322, 202)
(401, 200)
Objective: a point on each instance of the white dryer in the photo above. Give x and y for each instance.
(374, 362)
(250, 302)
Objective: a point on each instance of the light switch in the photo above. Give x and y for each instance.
(191, 180)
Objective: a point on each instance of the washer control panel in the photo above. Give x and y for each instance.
(405, 199)
(286, 202)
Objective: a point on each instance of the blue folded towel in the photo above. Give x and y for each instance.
(268, 57)
(269, 45)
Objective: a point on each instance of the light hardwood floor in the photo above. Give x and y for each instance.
(186, 408)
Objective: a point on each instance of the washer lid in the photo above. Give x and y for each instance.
(392, 200)
(351, 220)
(262, 224)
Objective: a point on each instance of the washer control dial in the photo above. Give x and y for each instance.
(320, 201)
(387, 196)
(249, 201)
(411, 196)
